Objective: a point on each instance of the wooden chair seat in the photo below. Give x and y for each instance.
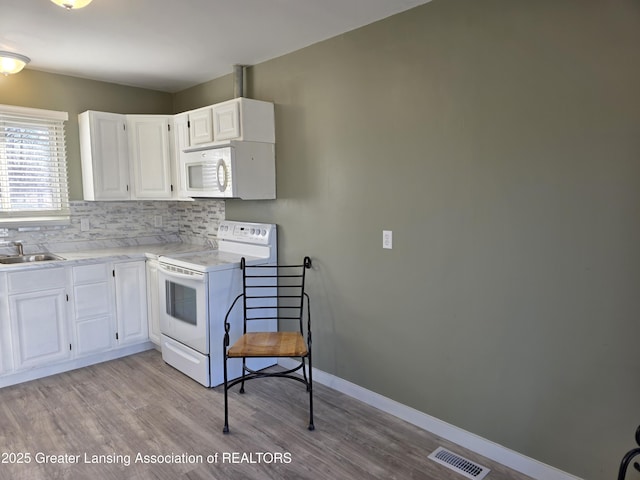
(269, 344)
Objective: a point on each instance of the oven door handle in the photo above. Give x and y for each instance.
(196, 276)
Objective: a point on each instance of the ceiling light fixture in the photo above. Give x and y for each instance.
(12, 62)
(72, 4)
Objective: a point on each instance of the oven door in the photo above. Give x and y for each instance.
(184, 307)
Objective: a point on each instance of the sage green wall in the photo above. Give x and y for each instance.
(500, 141)
(215, 91)
(36, 89)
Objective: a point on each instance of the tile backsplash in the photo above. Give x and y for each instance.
(97, 224)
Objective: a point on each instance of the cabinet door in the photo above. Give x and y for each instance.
(93, 335)
(104, 156)
(150, 156)
(200, 129)
(226, 120)
(6, 360)
(93, 309)
(39, 327)
(244, 119)
(180, 141)
(153, 297)
(131, 302)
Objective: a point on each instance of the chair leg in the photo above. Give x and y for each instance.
(304, 373)
(244, 364)
(226, 402)
(310, 389)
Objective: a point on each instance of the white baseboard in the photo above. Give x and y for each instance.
(475, 443)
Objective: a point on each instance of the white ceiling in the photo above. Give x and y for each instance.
(170, 45)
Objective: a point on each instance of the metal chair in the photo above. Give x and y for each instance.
(271, 293)
(630, 455)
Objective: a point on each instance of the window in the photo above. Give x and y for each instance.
(33, 167)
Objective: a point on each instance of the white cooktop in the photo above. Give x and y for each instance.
(210, 260)
(256, 242)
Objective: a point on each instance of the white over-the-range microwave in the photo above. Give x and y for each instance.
(233, 169)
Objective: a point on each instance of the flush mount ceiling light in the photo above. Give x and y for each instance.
(72, 4)
(12, 62)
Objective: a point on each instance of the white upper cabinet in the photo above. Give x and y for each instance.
(227, 120)
(125, 157)
(179, 141)
(244, 119)
(104, 154)
(150, 156)
(200, 126)
(131, 157)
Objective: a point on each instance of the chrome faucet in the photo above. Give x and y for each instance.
(18, 245)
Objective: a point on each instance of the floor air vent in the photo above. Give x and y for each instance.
(459, 464)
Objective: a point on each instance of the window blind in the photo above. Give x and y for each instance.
(33, 167)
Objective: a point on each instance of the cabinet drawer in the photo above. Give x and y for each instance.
(37, 279)
(90, 273)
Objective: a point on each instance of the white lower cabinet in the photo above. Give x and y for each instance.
(153, 297)
(39, 328)
(93, 309)
(6, 352)
(38, 313)
(110, 305)
(131, 302)
(55, 319)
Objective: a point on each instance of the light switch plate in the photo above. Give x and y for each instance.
(387, 239)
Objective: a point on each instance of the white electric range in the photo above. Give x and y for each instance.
(196, 290)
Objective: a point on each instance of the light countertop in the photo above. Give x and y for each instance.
(121, 253)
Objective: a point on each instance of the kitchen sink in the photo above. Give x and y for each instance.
(30, 258)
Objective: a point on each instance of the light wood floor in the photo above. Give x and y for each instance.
(140, 405)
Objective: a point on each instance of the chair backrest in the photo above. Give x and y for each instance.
(274, 292)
